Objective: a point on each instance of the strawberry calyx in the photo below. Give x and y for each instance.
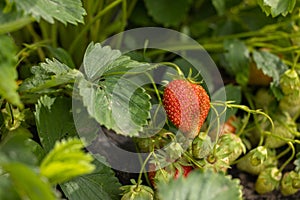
(192, 79)
(136, 191)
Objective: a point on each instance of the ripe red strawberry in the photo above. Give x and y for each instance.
(187, 105)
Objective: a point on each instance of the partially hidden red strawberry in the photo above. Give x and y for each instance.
(187, 105)
(165, 174)
(228, 126)
(185, 170)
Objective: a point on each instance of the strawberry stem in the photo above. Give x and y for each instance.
(190, 158)
(192, 79)
(142, 169)
(290, 158)
(229, 104)
(155, 88)
(283, 153)
(296, 59)
(296, 116)
(218, 129)
(217, 118)
(11, 114)
(281, 138)
(157, 163)
(180, 73)
(244, 125)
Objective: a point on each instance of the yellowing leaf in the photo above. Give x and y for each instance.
(66, 161)
(101, 184)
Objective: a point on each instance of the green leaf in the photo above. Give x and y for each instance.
(36, 149)
(112, 92)
(270, 64)
(97, 59)
(27, 183)
(15, 146)
(101, 184)
(62, 10)
(8, 72)
(140, 17)
(237, 60)
(201, 186)
(277, 7)
(49, 74)
(7, 190)
(62, 55)
(222, 5)
(168, 12)
(117, 103)
(66, 161)
(54, 120)
(13, 20)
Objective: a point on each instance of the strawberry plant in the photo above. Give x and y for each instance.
(127, 99)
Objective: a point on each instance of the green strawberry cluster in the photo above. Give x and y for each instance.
(290, 86)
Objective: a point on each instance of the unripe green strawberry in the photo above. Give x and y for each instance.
(290, 86)
(268, 180)
(247, 166)
(187, 106)
(134, 192)
(201, 147)
(290, 183)
(290, 104)
(263, 98)
(145, 144)
(157, 141)
(290, 82)
(284, 126)
(231, 146)
(256, 160)
(174, 151)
